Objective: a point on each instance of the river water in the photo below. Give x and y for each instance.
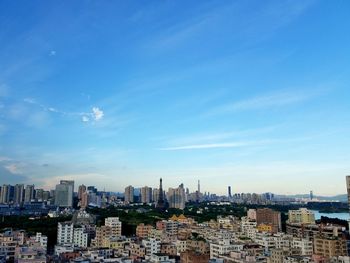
(343, 216)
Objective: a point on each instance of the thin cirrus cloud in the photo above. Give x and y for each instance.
(207, 146)
(278, 99)
(96, 113)
(233, 144)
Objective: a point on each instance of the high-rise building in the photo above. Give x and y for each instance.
(146, 195)
(198, 192)
(68, 182)
(311, 195)
(80, 237)
(65, 233)
(229, 192)
(155, 194)
(29, 193)
(81, 190)
(129, 194)
(46, 195)
(348, 188)
(84, 201)
(177, 197)
(160, 202)
(64, 193)
(39, 194)
(5, 194)
(143, 230)
(92, 189)
(301, 216)
(270, 217)
(330, 247)
(19, 194)
(115, 224)
(251, 214)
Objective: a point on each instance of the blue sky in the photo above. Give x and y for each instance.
(252, 94)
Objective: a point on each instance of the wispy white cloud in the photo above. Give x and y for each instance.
(85, 119)
(13, 168)
(253, 27)
(52, 53)
(11, 165)
(207, 146)
(5, 159)
(95, 114)
(215, 137)
(236, 144)
(42, 106)
(278, 99)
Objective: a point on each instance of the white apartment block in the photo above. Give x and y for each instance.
(302, 216)
(152, 246)
(248, 228)
(220, 248)
(115, 224)
(59, 249)
(304, 245)
(265, 240)
(251, 214)
(282, 241)
(41, 239)
(81, 237)
(170, 226)
(160, 258)
(65, 233)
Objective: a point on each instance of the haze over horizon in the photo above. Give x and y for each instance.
(251, 94)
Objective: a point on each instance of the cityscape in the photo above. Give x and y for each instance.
(156, 225)
(162, 131)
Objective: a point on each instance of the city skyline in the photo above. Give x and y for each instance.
(139, 190)
(114, 94)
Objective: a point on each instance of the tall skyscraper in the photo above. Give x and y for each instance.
(64, 193)
(161, 202)
(29, 193)
(348, 190)
(229, 192)
(198, 192)
(129, 194)
(92, 189)
(46, 195)
(84, 201)
(39, 194)
(68, 182)
(19, 194)
(177, 197)
(81, 190)
(5, 194)
(146, 195)
(311, 195)
(155, 194)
